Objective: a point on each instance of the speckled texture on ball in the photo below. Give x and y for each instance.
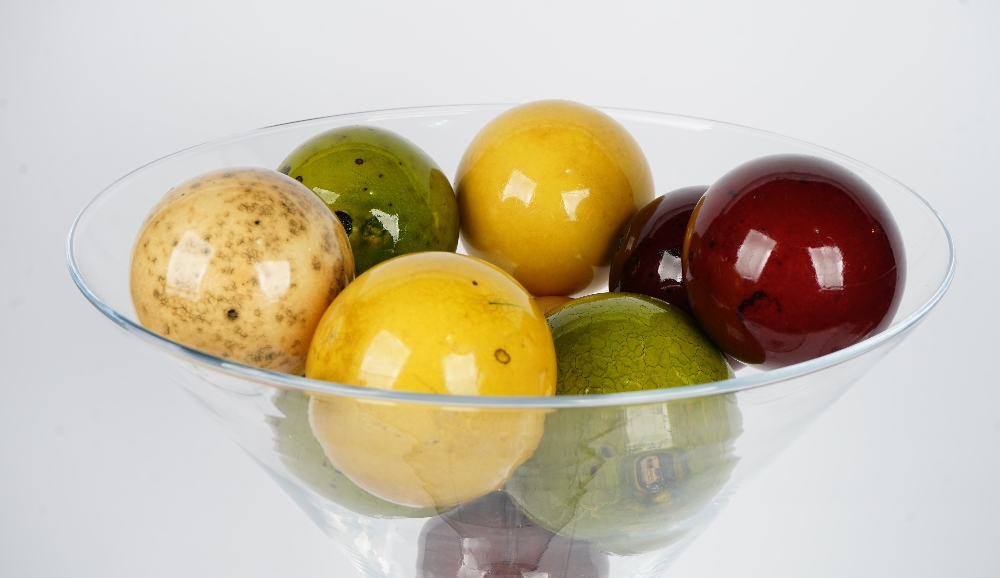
(240, 263)
(391, 197)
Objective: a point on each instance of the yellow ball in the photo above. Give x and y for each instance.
(440, 323)
(240, 263)
(544, 190)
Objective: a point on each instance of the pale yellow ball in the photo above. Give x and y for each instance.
(240, 263)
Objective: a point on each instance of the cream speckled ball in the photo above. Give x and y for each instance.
(240, 263)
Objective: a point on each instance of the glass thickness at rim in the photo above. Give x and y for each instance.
(303, 384)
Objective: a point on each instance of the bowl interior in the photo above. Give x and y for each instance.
(682, 151)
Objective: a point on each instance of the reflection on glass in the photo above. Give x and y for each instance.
(519, 187)
(828, 262)
(571, 199)
(491, 538)
(188, 263)
(305, 461)
(383, 360)
(273, 278)
(753, 254)
(632, 479)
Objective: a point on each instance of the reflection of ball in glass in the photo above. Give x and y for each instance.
(490, 537)
(240, 263)
(629, 479)
(303, 456)
(391, 197)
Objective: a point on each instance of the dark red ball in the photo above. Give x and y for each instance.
(490, 537)
(790, 257)
(648, 258)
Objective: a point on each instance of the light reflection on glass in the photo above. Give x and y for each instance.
(188, 262)
(753, 254)
(571, 199)
(647, 427)
(383, 361)
(273, 278)
(519, 187)
(828, 262)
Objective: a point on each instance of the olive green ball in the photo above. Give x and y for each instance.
(630, 479)
(619, 342)
(390, 196)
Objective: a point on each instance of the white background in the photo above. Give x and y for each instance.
(108, 470)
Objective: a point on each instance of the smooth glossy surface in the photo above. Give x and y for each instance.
(620, 342)
(435, 323)
(240, 263)
(543, 191)
(791, 257)
(775, 406)
(431, 323)
(391, 197)
(648, 258)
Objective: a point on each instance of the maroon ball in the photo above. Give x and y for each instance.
(490, 537)
(790, 257)
(648, 258)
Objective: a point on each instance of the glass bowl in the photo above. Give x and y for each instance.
(618, 485)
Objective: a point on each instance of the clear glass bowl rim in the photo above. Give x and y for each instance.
(307, 385)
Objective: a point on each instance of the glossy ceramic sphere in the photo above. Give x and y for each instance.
(628, 479)
(301, 453)
(543, 191)
(390, 196)
(435, 322)
(491, 538)
(432, 323)
(648, 258)
(240, 263)
(618, 342)
(790, 257)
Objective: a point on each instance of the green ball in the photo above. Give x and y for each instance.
(390, 196)
(631, 479)
(301, 453)
(618, 342)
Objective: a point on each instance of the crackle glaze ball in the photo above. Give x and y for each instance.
(240, 263)
(619, 342)
(629, 479)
